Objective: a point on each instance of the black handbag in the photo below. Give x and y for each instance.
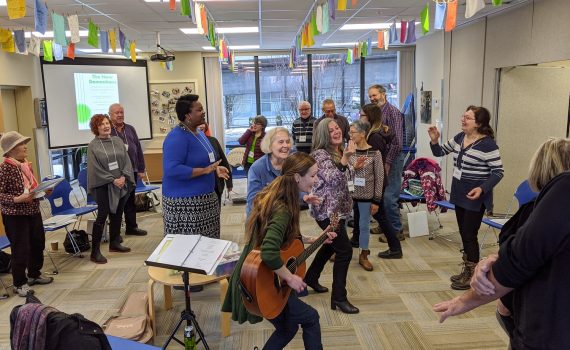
(80, 237)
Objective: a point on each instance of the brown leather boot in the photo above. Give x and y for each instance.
(463, 282)
(363, 260)
(457, 277)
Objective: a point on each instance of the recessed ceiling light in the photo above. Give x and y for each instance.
(369, 26)
(49, 34)
(208, 48)
(227, 30)
(243, 47)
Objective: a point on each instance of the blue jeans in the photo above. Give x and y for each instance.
(392, 193)
(287, 324)
(364, 224)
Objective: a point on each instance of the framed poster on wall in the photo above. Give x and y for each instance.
(163, 98)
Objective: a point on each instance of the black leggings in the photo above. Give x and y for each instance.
(469, 222)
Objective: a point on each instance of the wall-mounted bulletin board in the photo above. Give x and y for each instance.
(163, 97)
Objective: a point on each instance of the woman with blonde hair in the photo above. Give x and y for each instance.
(272, 224)
(533, 263)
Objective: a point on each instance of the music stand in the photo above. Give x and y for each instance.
(178, 252)
(187, 314)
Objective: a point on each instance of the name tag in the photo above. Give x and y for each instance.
(303, 138)
(127, 146)
(211, 156)
(251, 154)
(359, 181)
(26, 190)
(113, 165)
(350, 186)
(457, 173)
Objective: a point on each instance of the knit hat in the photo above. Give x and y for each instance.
(11, 139)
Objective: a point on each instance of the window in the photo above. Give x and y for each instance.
(239, 96)
(282, 89)
(382, 68)
(334, 79)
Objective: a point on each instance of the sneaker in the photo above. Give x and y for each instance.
(23, 290)
(40, 280)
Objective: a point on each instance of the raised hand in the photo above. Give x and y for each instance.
(434, 134)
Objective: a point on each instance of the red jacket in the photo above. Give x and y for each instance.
(428, 172)
(247, 139)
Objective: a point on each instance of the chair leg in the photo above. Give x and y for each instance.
(225, 317)
(5, 295)
(151, 313)
(167, 297)
(55, 268)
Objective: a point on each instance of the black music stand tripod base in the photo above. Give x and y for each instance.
(188, 316)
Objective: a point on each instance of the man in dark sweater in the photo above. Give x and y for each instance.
(302, 128)
(128, 134)
(534, 263)
(329, 111)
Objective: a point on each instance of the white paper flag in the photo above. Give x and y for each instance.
(34, 46)
(473, 6)
(320, 18)
(386, 39)
(198, 18)
(73, 23)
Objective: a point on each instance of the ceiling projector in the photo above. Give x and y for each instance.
(162, 57)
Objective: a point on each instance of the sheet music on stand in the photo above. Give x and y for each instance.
(193, 253)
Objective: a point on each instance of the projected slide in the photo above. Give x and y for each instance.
(94, 93)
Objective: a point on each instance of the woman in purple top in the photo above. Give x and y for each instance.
(332, 190)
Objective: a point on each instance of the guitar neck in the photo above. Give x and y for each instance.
(309, 250)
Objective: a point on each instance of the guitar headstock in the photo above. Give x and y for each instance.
(334, 219)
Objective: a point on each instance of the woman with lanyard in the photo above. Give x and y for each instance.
(190, 203)
(109, 180)
(252, 138)
(21, 214)
(366, 184)
(477, 169)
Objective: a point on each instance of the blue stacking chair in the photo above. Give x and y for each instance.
(82, 179)
(60, 204)
(125, 344)
(146, 188)
(523, 195)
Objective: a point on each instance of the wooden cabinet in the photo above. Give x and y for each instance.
(153, 162)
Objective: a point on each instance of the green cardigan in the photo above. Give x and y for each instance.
(277, 230)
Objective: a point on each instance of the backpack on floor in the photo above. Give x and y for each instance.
(133, 321)
(80, 237)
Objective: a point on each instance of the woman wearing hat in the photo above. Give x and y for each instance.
(252, 138)
(21, 214)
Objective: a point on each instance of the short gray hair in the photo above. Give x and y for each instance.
(303, 103)
(361, 126)
(270, 137)
(378, 87)
(551, 159)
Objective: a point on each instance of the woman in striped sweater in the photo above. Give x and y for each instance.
(477, 169)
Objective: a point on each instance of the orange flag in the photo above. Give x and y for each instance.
(380, 39)
(354, 3)
(71, 51)
(204, 19)
(451, 16)
(172, 5)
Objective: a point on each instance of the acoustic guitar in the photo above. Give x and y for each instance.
(263, 292)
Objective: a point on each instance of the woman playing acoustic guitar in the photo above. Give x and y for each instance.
(272, 225)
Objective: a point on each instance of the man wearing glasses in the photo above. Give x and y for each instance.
(302, 128)
(329, 111)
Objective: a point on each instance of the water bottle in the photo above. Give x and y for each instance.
(189, 338)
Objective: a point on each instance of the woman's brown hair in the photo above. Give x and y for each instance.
(374, 114)
(280, 195)
(95, 121)
(483, 118)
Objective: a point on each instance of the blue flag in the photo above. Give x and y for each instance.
(411, 35)
(439, 15)
(20, 38)
(369, 47)
(40, 17)
(104, 41)
(57, 52)
(393, 34)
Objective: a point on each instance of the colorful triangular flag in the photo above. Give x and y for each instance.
(411, 35)
(133, 50)
(380, 39)
(20, 38)
(57, 52)
(40, 16)
(48, 51)
(451, 17)
(184, 7)
(473, 6)
(424, 19)
(393, 34)
(122, 40)
(326, 18)
(92, 37)
(104, 39)
(16, 8)
(9, 45)
(58, 25)
(319, 18)
(172, 5)
(403, 31)
(34, 46)
(73, 23)
(71, 51)
(113, 40)
(341, 5)
(439, 15)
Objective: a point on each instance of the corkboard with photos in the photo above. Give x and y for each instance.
(163, 97)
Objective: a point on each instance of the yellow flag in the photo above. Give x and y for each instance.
(5, 35)
(341, 6)
(113, 39)
(221, 48)
(9, 45)
(16, 9)
(310, 39)
(133, 51)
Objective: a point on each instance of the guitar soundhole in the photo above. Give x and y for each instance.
(291, 264)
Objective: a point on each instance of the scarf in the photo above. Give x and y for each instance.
(25, 167)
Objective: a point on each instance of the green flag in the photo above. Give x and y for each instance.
(48, 51)
(497, 2)
(92, 38)
(185, 7)
(211, 33)
(424, 17)
(313, 25)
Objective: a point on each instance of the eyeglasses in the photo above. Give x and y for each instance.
(327, 111)
(467, 118)
(304, 109)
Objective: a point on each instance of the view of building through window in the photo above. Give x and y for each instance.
(282, 88)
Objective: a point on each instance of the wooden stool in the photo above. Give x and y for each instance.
(169, 280)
